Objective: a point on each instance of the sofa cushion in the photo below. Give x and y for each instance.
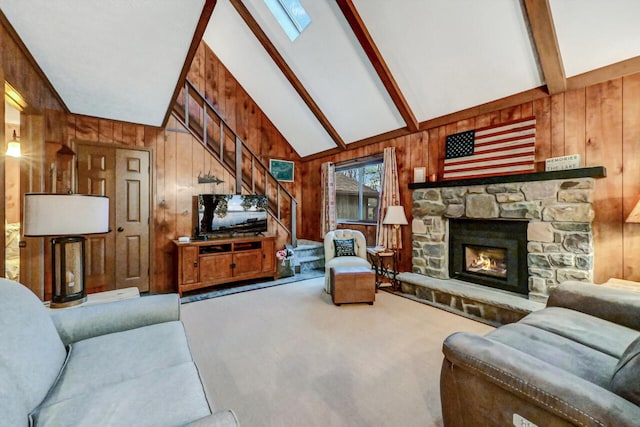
(561, 352)
(601, 335)
(167, 397)
(344, 247)
(113, 358)
(625, 381)
(32, 352)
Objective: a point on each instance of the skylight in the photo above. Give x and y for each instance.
(290, 15)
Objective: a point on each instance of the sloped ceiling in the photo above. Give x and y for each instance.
(363, 69)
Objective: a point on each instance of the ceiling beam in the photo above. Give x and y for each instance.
(288, 72)
(207, 11)
(375, 57)
(544, 36)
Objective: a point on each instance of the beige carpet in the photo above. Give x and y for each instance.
(285, 356)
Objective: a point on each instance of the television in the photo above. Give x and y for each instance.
(229, 214)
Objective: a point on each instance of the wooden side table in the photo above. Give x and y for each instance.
(385, 264)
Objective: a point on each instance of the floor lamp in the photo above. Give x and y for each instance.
(66, 217)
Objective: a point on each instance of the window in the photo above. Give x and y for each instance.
(358, 188)
(290, 15)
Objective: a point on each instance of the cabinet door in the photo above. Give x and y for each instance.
(268, 256)
(247, 262)
(216, 267)
(189, 264)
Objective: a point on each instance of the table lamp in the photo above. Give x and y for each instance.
(395, 216)
(66, 217)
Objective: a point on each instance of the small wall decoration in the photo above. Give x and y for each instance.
(419, 174)
(501, 149)
(562, 163)
(282, 170)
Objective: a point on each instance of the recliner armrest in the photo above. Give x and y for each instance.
(80, 323)
(527, 383)
(619, 306)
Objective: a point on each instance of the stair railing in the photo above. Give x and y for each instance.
(204, 122)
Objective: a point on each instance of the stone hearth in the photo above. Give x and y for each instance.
(559, 233)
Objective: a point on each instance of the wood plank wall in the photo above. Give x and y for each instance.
(600, 122)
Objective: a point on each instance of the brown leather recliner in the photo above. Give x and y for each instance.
(574, 363)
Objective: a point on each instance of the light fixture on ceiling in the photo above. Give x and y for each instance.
(13, 147)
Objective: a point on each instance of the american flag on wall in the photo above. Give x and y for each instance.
(494, 150)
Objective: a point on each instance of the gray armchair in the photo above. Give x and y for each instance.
(122, 363)
(358, 259)
(576, 362)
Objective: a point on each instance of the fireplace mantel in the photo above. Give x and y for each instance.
(592, 172)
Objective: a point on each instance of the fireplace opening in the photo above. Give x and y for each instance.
(490, 253)
(486, 260)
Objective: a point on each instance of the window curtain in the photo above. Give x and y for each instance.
(328, 214)
(389, 196)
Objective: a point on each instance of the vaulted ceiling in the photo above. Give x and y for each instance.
(362, 70)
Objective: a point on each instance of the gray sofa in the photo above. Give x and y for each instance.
(576, 362)
(124, 363)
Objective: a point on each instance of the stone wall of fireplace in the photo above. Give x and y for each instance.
(559, 233)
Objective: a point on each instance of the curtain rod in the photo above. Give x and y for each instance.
(363, 159)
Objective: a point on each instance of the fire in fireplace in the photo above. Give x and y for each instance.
(486, 260)
(489, 252)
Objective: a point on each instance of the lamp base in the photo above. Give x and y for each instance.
(67, 304)
(68, 271)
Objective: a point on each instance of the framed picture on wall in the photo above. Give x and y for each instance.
(281, 169)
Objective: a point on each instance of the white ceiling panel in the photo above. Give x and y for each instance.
(239, 50)
(116, 60)
(595, 33)
(329, 62)
(448, 55)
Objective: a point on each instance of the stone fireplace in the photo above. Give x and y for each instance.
(553, 215)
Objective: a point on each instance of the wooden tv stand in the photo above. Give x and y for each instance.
(203, 263)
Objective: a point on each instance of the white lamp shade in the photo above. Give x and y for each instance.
(65, 214)
(395, 216)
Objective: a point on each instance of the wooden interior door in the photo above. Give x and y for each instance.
(96, 175)
(132, 219)
(120, 258)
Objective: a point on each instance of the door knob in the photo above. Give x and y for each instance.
(120, 229)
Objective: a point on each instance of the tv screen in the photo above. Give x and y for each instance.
(220, 214)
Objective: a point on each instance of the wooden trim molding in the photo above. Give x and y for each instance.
(288, 72)
(546, 43)
(207, 11)
(602, 74)
(375, 57)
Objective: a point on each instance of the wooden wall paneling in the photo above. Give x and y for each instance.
(574, 123)
(118, 132)
(527, 109)
(211, 92)
(169, 202)
(557, 125)
(511, 113)
(129, 134)
(184, 183)
(483, 120)
(242, 116)
(140, 135)
(196, 73)
(230, 100)
(542, 113)
(631, 174)
(433, 158)
(87, 128)
(105, 131)
(604, 148)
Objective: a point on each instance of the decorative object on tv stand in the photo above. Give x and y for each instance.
(13, 146)
(395, 216)
(66, 217)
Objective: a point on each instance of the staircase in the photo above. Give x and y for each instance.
(309, 255)
(252, 176)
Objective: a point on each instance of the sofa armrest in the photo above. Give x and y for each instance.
(619, 306)
(224, 418)
(488, 382)
(80, 323)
